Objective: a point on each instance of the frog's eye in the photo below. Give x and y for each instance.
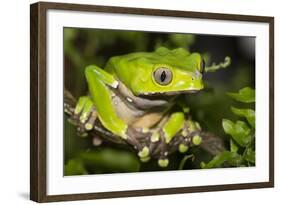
(163, 76)
(202, 66)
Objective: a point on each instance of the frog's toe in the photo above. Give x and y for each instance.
(144, 152)
(90, 123)
(163, 162)
(86, 112)
(155, 137)
(81, 132)
(80, 105)
(89, 126)
(183, 148)
(197, 139)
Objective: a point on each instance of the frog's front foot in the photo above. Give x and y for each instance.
(86, 114)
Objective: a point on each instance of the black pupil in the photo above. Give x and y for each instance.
(163, 76)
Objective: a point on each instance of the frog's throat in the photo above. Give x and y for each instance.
(139, 102)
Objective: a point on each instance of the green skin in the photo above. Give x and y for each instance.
(138, 90)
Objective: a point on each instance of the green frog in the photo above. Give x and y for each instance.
(136, 94)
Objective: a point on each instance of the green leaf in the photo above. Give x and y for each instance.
(250, 155)
(110, 160)
(239, 131)
(231, 158)
(246, 95)
(74, 167)
(233, 146)
(249, 114)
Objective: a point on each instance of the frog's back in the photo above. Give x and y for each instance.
(123, 61)
(130, 62)
(125, 66)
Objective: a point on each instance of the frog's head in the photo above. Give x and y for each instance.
(163, 72)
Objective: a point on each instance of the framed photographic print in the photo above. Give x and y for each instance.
(133, 102)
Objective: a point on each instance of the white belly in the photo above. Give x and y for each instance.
(134, 116)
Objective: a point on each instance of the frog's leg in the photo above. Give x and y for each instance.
(171, 127)
(189, 127)
(175, 125)
(161, 136)
(99, 82)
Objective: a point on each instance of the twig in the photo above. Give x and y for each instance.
(138, 140)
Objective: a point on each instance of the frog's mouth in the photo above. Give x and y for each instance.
(169, 93)
(142, 102)
(147, 100)
(165, 96)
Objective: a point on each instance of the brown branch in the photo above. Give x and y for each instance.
(138, 140)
